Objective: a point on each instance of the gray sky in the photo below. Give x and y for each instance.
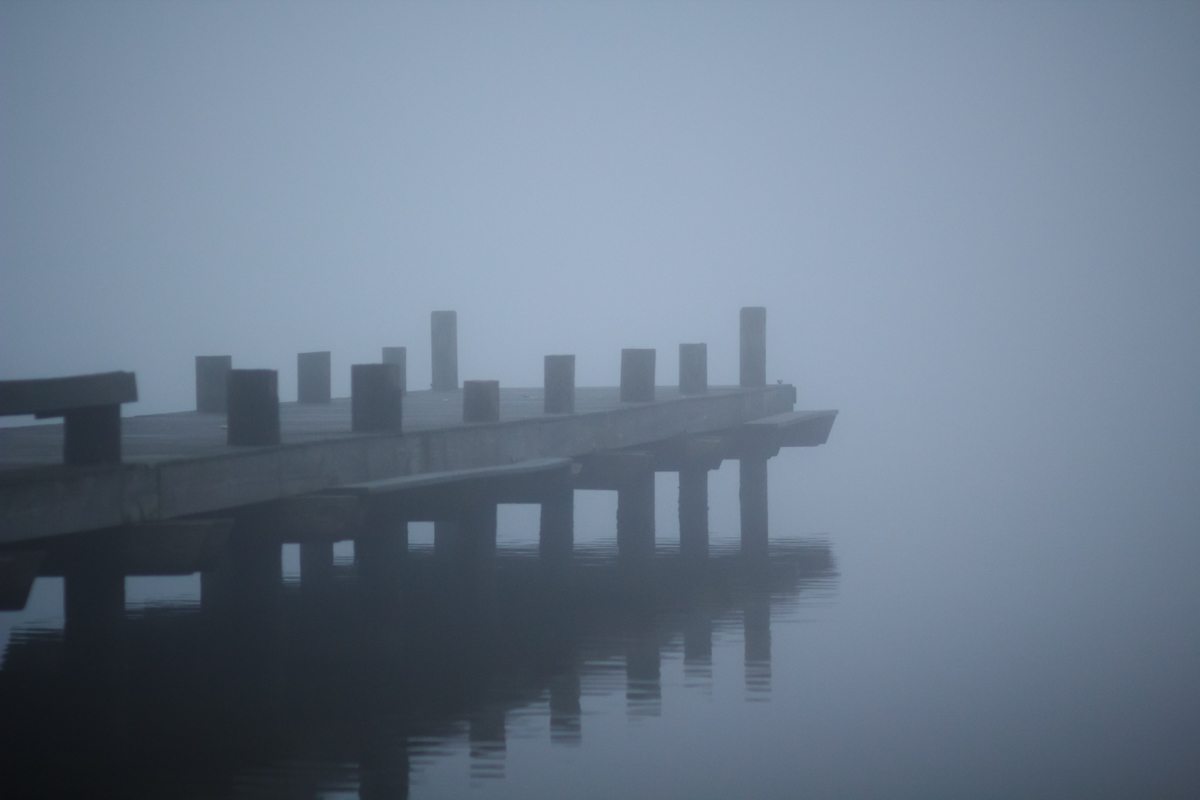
(976, 226)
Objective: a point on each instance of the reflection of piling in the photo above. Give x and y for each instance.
(643, 682)
(565, 708)
(487, 735)
(756, 630)
(697, 644)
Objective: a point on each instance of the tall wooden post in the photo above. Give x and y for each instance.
(444, 345)
(754, 346)
(752, 492)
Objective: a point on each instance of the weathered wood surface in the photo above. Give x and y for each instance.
(53, 396)
(180, 464)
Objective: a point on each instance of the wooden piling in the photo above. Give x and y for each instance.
(559, 384)
(211, 377)
(693, 368)
(635, 516)
(375, 399)
(481, 401)
(444, 349)
(752, 493)
(693, 511)
(252, 399)
(313, 377)
(753, 364)
(399, 357)
(637, 375)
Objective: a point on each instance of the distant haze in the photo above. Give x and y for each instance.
(976, 226)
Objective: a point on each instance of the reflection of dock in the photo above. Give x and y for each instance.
(220, 489)
(365, 677)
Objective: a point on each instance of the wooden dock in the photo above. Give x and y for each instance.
(362, 467)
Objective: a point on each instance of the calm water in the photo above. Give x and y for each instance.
(904, 655)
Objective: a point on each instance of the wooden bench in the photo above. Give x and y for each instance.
(90, 406)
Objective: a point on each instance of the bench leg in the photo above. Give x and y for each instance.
(92, 435)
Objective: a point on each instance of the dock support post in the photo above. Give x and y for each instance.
(635, 515)
(693, 511)
(481, 401)
(556, 527)
(253, 403)
(693, 368)
(211, 375)
(399, 357)
(316, 563)
(375, 399)
(559, 384)
(92, 435)
(637, 375)
(752, 492)
(444, 343)
(93, 596)
(313, 377)
(754, 346)
(471, 533)
(381, 546)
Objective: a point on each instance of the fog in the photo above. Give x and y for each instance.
(976, 227)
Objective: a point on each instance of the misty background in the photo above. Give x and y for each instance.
(976, 227)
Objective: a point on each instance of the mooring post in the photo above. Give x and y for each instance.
(637, 375)
(693, 368)
(211, 375)
(92, 435)
(693, 511)
(754, 346)
(559, 384)
(252, 398)
(313, 377)
(444, 344)
(635, 515)
(375, 399)
(481, 401)
(752, 492)
(399, 357)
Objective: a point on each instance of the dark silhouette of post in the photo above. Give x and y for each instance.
(566, 692)
(211, 375)
(399, 357)
(556, 526)
(313, 377)
(444, 344)
(752, 492)
(693, 511)
(92, 435)
(559, 384)
(754, 346)
(252, 398)
(635, 515)
(481, 401)
(375, 398)
(637, 375)
(693, 368)
(93, 595)
(316, 563)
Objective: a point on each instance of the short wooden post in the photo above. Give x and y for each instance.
(92, 435)
(693, 368)
(375, 399)
(754, 346)
(637, 375)
(211, 376)
(399, 357)
(444, 344)
(313, 377)
(252, 397)
(559, 385)
(481, 401)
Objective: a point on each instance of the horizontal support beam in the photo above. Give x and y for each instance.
(612, 469)
(175, 547)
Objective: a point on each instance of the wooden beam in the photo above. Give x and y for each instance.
(51, 397)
